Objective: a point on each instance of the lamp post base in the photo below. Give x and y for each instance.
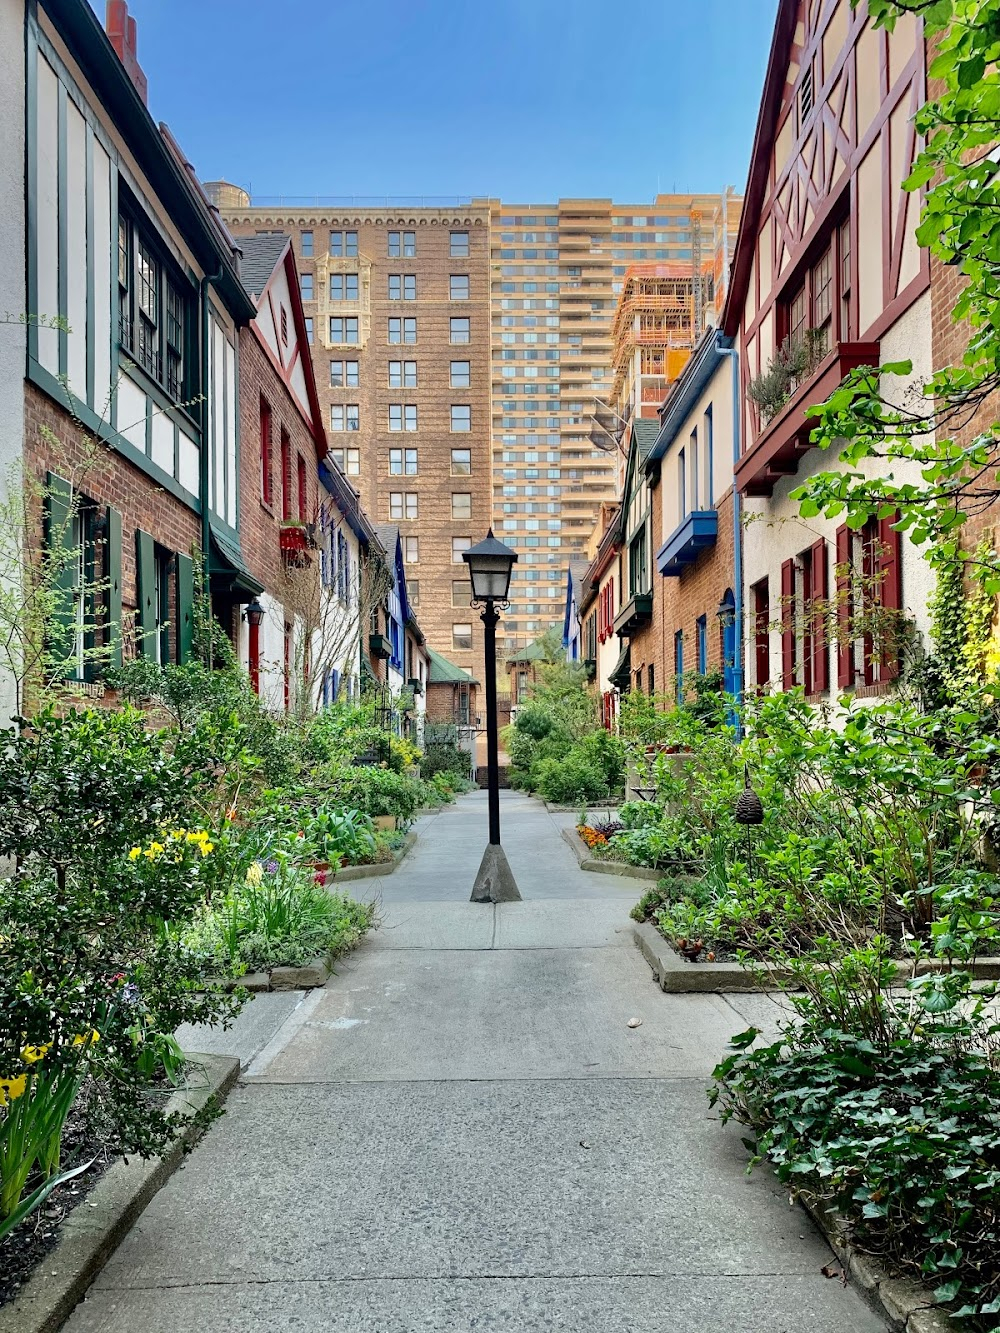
(495, 881)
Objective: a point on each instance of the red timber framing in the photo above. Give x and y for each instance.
(826, 238)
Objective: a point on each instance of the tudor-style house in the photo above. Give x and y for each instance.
(599, 605)
(639, 529)
(282, 443)
(130, 409)
(397, 648)
(827, 276)
(690, 467)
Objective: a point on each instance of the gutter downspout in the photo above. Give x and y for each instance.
(738, 673)
(203, 461)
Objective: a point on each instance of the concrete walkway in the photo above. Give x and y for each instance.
(461, 1132)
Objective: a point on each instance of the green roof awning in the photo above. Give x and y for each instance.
(444, 672)
(621, 673)
(227, 568)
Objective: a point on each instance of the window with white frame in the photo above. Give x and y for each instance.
(402, 462)
(402, 374)
(461, 417)
(402, 416)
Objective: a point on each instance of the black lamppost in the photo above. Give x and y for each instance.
(490, 564)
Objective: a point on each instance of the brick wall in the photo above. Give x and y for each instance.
(55, 442)
(698, 592)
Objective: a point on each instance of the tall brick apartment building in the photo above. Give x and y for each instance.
(397, 307)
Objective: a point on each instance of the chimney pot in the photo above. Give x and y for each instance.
(121, 30)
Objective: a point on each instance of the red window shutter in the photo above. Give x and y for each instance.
(788, 624)
(845, 610)
(819, 592)
(890, 591)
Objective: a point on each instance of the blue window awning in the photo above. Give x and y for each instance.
(687, 541)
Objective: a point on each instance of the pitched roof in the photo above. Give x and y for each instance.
(535, 652)
(388, 535)
(645, 431)
(443, 672)
(261, 255)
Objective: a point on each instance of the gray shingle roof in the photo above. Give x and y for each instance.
(645, 430)
(260, 257)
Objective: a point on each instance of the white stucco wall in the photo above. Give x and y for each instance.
(13, 298)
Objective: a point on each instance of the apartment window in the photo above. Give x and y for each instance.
(411, 550)
(413, 591)
(461, 636)
(309, 329)
(402, 416)
(402, 462)
(343, 286)
(403, 505)
(459, 328)
(460, 374)
(461, 504)
(461, 418)
(458, 286)
(804, 658)
(154, 307)
(402, 374)
(343, 374)
(761, 610)
(458, 546)
(344, 244)
(461, 592)
(459, 245)
(306, 244)
(343, 330)
(403, 330)
(348, 460)
(303, 489)
(306, 286)
(402, 244)
(402, 287)
(345, 416)
(701, 626)
(266, 490)
(461, 462)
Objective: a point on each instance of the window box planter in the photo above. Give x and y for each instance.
(293, 540)
(414, 684)
(379, 646)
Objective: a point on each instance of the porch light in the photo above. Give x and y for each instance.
(254, 614)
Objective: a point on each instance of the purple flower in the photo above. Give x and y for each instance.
(130, 993)
(271, 867)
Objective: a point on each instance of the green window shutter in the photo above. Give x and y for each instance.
(145, 581)
(61, 567)
(185, 608)
(114, 563)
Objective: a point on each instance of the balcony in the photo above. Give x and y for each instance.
(294, 541)
(637, 612)
(684, 545)
(779, 445)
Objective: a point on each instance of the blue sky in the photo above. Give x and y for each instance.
(525, 99)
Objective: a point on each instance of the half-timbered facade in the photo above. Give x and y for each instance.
(134, 303)
(827, 276)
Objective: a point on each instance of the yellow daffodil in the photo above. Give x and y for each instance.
(12, 1088)
(32, 1054)
(135, 853)
(88, 1038)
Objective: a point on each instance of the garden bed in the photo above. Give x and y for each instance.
(675, 973)
(88, 1237)
(906, 1305)
(590, 862)
(376, 868)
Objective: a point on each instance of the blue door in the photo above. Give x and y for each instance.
(727, 619)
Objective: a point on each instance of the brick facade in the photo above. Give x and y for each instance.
(54, 442)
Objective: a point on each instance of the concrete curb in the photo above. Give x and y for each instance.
(610, 809)
(676, 975)
(906, 1305)
(99, 1224)
(587, 862)
(378, 869)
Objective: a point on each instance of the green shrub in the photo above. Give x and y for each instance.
(640, 814)
(903, 1139)
(380, 791)
(568, 781)
(444, 757)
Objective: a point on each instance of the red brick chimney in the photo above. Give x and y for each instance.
(121, 30)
